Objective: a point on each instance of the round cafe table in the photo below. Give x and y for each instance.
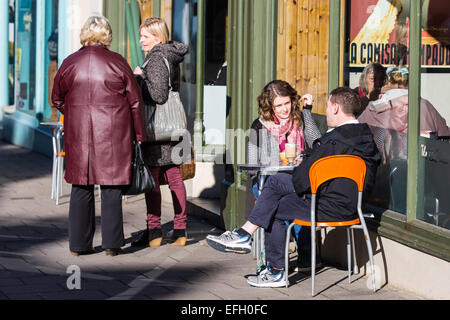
(263, 171)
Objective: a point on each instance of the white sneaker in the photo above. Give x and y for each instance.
(267, 279)
(230, 241)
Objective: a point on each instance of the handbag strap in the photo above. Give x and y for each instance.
(168, 68)
(138, 151)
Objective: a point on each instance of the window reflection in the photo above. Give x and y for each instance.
(377, 69)
(184, 29)
(26, 55)
(434, 157)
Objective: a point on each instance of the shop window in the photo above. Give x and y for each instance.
(434, 142)
(11, 33)
(215, 90)
(51, 55)
(184, 30)
(376, 54)
(26, 55)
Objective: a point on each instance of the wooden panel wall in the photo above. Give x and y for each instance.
(147, 8)
(166, 13)
(302, 47)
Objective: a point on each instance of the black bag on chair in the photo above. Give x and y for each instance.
(141, 179)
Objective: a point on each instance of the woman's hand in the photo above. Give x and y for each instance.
(307, 100)
(138, 71)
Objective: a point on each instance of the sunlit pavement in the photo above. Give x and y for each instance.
(35, 261)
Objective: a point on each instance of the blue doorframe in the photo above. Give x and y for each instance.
(4, 55)
(34, 25)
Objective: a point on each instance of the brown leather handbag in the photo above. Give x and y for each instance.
(187, 169)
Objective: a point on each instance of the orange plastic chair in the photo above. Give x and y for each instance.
(337, 166)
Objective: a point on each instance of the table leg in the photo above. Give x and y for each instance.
(259, 239)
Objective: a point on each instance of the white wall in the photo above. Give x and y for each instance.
(435, 87)
(72, 15)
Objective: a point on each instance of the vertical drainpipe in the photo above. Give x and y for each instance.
(131, 35)
(41, 47)
(135, 22)
(198, 122)
(334, 56)
(413, 201)
(4, 55)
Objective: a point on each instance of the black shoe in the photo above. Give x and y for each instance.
(142, 241)
(114, 252)
(81, 253)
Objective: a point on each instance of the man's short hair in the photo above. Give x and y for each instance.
(347, 99)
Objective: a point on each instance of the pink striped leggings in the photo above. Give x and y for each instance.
(171, 175)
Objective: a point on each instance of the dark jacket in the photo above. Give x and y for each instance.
(97, 92)
(156, 78)
(337, 199)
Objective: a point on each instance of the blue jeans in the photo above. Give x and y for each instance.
(277, 203)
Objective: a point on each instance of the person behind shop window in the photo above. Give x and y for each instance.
(390, 112)
(371, 81)
(52, 44)
(97, 93)
(287, 197)
(155, 80)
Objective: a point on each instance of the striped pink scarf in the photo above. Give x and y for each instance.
(285, 133)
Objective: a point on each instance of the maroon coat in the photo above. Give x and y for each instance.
(98, 94)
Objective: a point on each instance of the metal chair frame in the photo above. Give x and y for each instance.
(338, 166)
(57, 170)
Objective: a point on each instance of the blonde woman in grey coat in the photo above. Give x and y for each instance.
(155, 75)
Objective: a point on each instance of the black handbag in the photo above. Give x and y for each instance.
(141, 178)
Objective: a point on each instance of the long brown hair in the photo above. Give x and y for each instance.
(278, 88)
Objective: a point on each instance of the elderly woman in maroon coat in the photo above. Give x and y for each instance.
(98, 94)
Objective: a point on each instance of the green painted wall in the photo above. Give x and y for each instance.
(114, 10)
(251, 55)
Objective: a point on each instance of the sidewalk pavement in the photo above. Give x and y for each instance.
(35, 261)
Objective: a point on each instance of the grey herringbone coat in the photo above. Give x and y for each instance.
(156, 77)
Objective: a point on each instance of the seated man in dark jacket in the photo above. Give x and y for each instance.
(286, 197)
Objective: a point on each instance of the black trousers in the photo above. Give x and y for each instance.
(82, 217)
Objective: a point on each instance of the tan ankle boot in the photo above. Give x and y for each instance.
(154, 237)
(178, 238)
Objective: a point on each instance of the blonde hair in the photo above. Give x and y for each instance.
(400, 76)
(96, 31)
(157, 27)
